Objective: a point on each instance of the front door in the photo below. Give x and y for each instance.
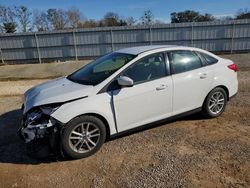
(150, 99)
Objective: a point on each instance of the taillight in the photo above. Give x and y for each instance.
(233, 67)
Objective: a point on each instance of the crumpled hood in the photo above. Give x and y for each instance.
(54, 91)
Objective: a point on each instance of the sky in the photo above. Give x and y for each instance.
(95, 9)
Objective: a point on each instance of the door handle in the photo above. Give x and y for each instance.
(161, 87)
(203, 76)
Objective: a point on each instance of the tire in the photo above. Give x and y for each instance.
(215, 103)
(83, 136)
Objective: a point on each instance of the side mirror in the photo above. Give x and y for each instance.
(125, 81)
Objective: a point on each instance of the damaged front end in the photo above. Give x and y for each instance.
(40, 131)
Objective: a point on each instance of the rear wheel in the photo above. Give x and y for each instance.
(83, 137)
(215, 103)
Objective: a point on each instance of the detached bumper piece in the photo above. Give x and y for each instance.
(41, 133)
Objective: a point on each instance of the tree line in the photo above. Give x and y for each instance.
(22, 19)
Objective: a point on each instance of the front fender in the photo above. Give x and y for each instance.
(98, 104)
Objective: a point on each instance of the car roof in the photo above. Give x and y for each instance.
(140, 49)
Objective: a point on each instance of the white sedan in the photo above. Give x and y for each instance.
(121, 91)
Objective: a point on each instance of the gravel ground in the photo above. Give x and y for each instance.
(188, 152)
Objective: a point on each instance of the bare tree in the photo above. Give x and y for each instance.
(243, 14)
(9, 27)
(111, 19)
(225, 18)
(7, 19)
(147, 18)
(130, 21)
(23, 16)
(190, 16)
(57, 18)
(40, 21)
(158, 22)
(74, 17)
(1, 29)
(88, 24)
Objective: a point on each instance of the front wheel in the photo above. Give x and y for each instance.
(215, 103)
(83, 137)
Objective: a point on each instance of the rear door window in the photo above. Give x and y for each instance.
(183, 60)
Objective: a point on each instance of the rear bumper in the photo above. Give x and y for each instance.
(233, 87)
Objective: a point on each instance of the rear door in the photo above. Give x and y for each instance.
(150, 99)
(191, 79)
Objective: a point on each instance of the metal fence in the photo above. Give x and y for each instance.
(219, 36)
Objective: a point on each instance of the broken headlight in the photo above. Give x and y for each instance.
(40, 117)
(48, 110)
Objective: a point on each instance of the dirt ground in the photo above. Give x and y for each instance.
(38, 71)
(188, 152)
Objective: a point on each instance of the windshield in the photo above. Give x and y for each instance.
(100, 69)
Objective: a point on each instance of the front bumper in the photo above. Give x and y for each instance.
(28, 133)
(41, 136)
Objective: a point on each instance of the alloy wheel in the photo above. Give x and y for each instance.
(84, 137)
(216, 102)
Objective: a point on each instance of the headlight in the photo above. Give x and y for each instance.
(48, 110)
(40, 115)
(33, 117)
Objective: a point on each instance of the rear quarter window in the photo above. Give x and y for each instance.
(209, 59)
